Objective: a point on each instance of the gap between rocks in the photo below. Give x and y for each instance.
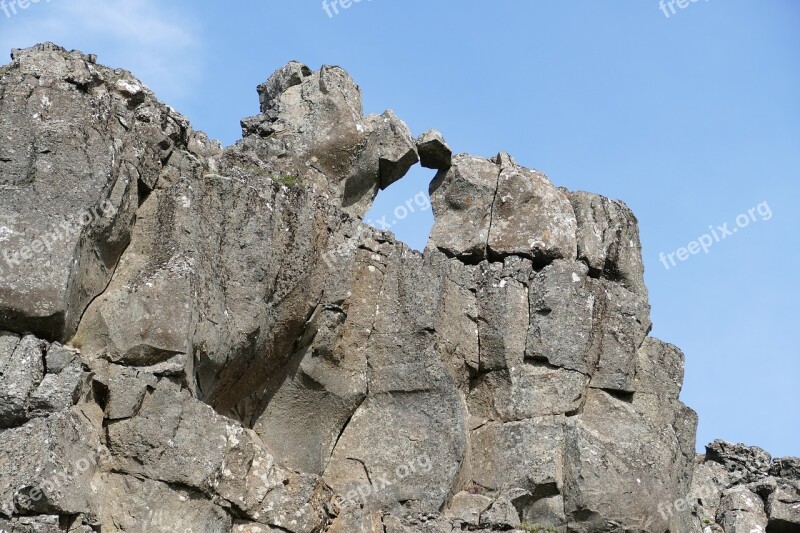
(404, 208)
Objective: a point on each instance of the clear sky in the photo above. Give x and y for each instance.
(693, 119)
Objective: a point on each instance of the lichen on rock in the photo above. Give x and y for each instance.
(202, 338)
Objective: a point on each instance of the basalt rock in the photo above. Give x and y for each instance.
(227, 347)
(312, 130)
(490, 209)
(743, 488)
(434, 151)
(83, 145)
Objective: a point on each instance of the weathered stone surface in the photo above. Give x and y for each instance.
(126, 388)
(519, 455)
(256, 359)
(741, 489)
(468, 508)
(311, 130)
(266, 492)
(788, 467)
(744, 464)
(547, 511)
(286, 77)
(530, 217)
(495, 208)
(383, 467)
(173, 439)
(391, 144)
(81, 144)
(608, 239)
(563, 307)
(742, 512)
(462, 199)
(659, 369)
(21, 371)
(46, 466)
(501, 515)
(527, 391)
(434, 151)
(45, 524)
(36, 379)
(620, 330)
(634, 444)
(591, 326)
(503, 308)
(131, 504)
(783, 507)
(176, 440)
(708, 480)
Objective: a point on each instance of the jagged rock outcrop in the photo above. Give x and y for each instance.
(434, 152)
(229, 348)
(742, 489)
(312, 130)
(82, 146)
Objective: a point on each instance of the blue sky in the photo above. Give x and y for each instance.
(691, 119)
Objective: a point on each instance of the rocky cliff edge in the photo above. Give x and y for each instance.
(207, 339)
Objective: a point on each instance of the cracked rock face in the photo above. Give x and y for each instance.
(311, 129)
(490, 209)
(80, 144)
(227, 347)
(743, 488)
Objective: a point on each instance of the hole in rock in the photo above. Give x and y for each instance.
(624, 396)
(404, 208)
(142, 191)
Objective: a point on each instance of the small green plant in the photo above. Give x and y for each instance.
(707, 521)
(258, 170)
(289, 181)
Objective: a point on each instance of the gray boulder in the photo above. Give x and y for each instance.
(608, 239)
(462, 198)
(36, 378)
(434, 151)
(312, 131)
(783, 507)
(530, 217)
(83, 144)
(47, 465)
(495, 208)
(745, 464)
(742, 511)
(740, 488)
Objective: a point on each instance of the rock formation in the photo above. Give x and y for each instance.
(204, 339)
